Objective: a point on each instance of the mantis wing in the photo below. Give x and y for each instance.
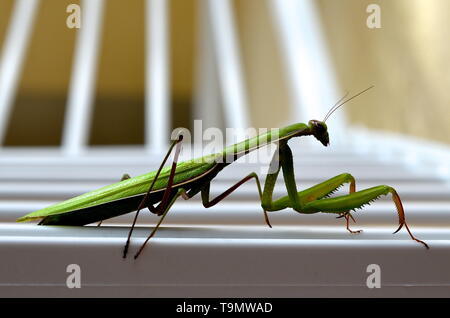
(185, 172)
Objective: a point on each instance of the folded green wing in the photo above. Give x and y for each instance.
(138, 185)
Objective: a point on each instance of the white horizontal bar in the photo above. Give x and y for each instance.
(147, 163)
(245, 192)
(261, 232)
(114, 173)
(381, 213)
(417, 154)
(124, 160)
(220, 262)
(301, 149)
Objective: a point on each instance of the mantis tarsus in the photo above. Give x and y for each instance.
(186, 179)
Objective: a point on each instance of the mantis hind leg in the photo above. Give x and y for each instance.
(180, 192)
(357, 200)
(167, 192)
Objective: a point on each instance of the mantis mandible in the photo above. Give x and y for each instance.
(186, 179)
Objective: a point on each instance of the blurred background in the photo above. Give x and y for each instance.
(406, 59)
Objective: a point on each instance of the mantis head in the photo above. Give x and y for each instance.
(319, 130)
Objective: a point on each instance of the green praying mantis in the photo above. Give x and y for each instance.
(186, 179)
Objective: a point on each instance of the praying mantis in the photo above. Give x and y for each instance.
(186, 179)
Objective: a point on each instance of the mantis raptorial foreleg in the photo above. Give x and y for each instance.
(296, 199)
(209, 203)
(319, 191)
(313, 199)
(357, 200)
(328, 187)
(281, 159)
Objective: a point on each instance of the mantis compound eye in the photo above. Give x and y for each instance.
(318, 126)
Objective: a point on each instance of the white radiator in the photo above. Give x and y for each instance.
(226, 250)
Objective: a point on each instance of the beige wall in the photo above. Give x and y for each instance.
(407, 61)
(263, 67)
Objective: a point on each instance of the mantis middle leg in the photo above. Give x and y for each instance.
(209, 203)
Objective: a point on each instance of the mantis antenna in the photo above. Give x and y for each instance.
(340, 100)
(340, 103)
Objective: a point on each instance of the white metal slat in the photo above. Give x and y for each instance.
(229, 66)
(157, 107)
(13, 53)
(419, 154)
(423, 214)
(60, 190)
(207, 103)
(102, 173)
(81, 91)
(256, 264)
(312, 83)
